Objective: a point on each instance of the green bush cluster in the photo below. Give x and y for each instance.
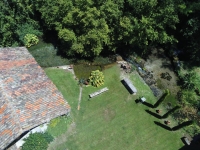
(27, 28)
(96, 78)
(189, 80)
(37, 141)
(30, 40)
(194, 130)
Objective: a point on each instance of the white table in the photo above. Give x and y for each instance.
(143, 99)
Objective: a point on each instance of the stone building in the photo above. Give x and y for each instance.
(28, 98)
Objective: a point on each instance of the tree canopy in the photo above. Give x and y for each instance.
(89, 28)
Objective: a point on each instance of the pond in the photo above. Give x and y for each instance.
(84, 70)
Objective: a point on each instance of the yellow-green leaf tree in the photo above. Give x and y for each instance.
(30, 39)
(96, 78)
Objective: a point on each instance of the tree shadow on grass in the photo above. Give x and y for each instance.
(145, 103)
(148, 104)
(193, 146)
(153, 114)
(187, 123)
(160, 100)
(163, 126)
(169, 112)
(137, 101)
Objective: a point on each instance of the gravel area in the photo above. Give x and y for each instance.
(158, 63)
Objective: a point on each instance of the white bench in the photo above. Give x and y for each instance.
(98, 92)
(186, 141)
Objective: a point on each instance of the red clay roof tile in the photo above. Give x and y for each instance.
(27, 97)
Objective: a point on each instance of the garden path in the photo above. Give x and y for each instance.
(79, 99)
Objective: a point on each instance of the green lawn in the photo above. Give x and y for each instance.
(112, 121)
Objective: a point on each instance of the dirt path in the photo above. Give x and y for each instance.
(79, 99)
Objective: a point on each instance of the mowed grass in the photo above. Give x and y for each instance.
(66, 84)
(112, 120)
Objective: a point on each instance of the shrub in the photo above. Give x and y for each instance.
(188, 97)
(48, 137)
(96, 78)
(190, 80)
(194, 130)
(27, 28)
(81, 81)
(30, 40)
(35, 141)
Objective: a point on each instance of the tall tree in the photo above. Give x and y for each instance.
(13, 14)
(147, 22)
(79, 24)
(85, 30)
(189, 13)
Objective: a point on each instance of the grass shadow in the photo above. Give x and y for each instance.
(163, 126)
(153, 114)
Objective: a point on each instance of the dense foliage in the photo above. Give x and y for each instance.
(96, 78)
(14, 15)
(30, 39)
(37, 141)
(190, 80)
(89, 28)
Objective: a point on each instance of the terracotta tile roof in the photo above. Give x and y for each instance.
(28, 98)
